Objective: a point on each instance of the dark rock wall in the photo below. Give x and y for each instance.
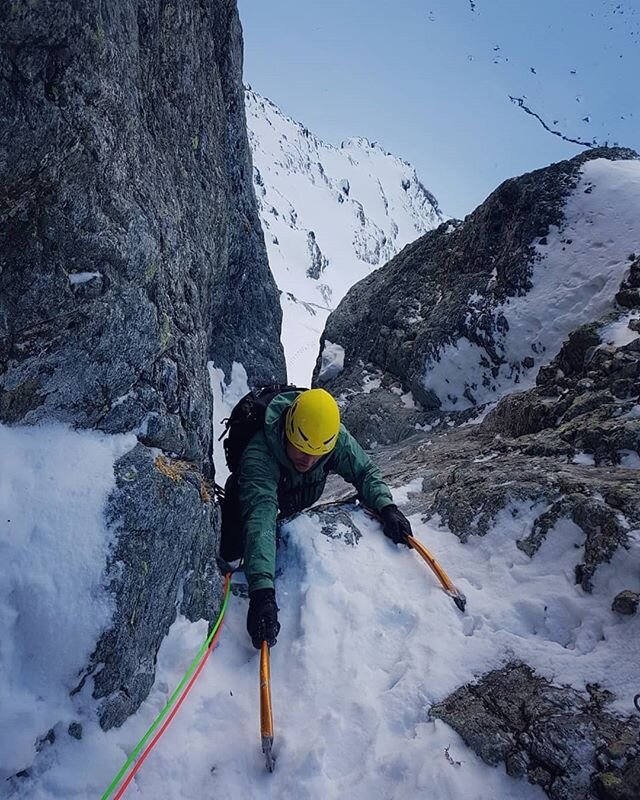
(163, 561)
(124, 156)
(130, 254)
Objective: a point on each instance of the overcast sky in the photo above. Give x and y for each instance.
(430, 81)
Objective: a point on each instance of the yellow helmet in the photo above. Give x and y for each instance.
(313, 422)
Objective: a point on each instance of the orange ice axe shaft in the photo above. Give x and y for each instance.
(457, 596)
(454, 593)
(266, 712)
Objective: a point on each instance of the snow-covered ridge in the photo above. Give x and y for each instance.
(330, 215)
(576, 274)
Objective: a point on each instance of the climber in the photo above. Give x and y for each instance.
(283, 469)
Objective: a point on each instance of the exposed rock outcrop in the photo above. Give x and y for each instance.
(571, 446)
(626, 602)
(130, 254)
(163, 560)
(472, 310)
(558, 738)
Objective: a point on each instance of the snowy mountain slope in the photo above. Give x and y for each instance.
(369, 643)
(355, 671)
(330, 216)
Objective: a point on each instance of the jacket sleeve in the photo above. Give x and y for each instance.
(354, 465)
(258, 495)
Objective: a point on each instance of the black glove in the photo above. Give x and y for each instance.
(262, 618)
(395, 525)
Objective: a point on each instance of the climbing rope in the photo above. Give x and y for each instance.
(636, 702)
(173, 704)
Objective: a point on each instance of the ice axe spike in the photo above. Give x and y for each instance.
(266, 713)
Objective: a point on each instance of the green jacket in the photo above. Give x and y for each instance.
(268, 483)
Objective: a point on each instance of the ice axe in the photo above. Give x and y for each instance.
(447, 584)
(266, 713)
(454, 593)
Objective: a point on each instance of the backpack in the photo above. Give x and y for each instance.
(247, 418)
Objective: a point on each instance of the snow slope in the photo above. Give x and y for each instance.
(330, 215)
(576, 275)
(355, 670)
(54, 483)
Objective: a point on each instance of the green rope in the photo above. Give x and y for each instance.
(172, 699)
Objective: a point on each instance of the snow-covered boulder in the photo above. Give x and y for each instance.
(471, 311)
(563, 740)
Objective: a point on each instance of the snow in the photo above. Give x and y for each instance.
(369, 642)
(584, 458)
(54, 483)
(482, 459)
(77, 278)
(370, 383)
(618, 333)
(225, 397)
(330, 216)
(575, 278)
(332, 362)
(408, 401)
(401, 493)
(130, 395)
(629, 459)
(426, 427)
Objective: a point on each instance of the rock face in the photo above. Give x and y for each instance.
(556, 737)
(131, 248)
(130, 254)
(164, 560)
(570, 446)
(472, 310)
(626, 602)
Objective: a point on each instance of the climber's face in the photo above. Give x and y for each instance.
(301, 461)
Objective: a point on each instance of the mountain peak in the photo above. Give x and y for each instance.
(330, 215)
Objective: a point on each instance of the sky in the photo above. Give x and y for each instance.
(430, 81)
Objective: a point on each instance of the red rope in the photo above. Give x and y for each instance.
(174, 711)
